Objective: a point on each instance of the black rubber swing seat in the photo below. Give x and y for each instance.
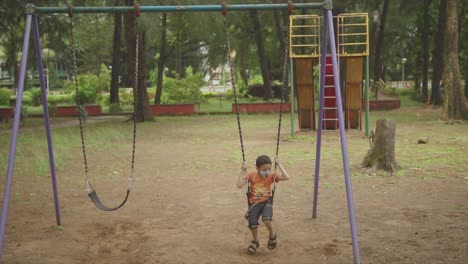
(97, 202)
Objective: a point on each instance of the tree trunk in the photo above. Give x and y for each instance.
(382, 152)
(379, 46)
(454, 98)
(437, 56)
(114, 86)
(417, 74)
(425, 41)
(463, 31)
(142, 110)
(466, 79)
(162, 60)
(264, 65)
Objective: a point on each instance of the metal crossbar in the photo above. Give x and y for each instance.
(191, 8)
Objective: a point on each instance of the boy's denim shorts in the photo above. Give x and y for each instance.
(265, 209)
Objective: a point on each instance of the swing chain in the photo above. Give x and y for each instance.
(81, 108)
(284, 86)
(231, 67)
(78, 101)
(137, 54)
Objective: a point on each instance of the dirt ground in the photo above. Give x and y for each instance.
(185, 208)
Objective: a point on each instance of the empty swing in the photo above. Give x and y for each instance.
(90, 189)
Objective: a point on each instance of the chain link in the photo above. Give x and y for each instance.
(78, 103)
(233, 81)
(137, 59)
(283, 88)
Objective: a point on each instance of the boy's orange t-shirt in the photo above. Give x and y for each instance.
(260, 188)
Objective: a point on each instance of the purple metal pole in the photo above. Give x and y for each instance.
(14, 133)
(344, 147)
(320, 117)
(40, 67)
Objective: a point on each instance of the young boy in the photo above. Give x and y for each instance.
(261, 197)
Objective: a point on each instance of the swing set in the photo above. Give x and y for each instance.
(32, 13)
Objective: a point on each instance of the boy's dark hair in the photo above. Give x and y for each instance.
(262, 160)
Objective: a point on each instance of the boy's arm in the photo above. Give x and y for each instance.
(243, 176)
(284, 176)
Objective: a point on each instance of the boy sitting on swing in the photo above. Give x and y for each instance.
(260, 197)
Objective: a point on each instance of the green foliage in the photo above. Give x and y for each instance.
(186, 90)
(115, 108)
(90, 87)
(256, 79)
(210, 95)
(230, 94)
(5, 96)
(125, 98)
(104, 79)
(59, 99)
(35, 94)
(27, 98)
(54, 80)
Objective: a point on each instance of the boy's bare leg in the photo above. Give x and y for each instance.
(269, 225)
(254, 233)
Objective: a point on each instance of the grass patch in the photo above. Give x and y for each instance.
(32, 151)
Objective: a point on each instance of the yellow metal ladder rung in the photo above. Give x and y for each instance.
(305, 26)
(355, 24)
(352, 34)
(304, 45)
(351, 44)
(298, 36)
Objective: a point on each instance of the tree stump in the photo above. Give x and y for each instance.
(382, 152)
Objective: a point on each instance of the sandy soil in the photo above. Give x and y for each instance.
(185, 208)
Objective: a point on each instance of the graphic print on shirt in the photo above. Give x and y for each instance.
(260, 190)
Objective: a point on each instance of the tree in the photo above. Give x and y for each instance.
(379, 45)
(425, 42)
(454, 98)
(142, 109)
(264, 62)
(437, 54)
(114, 89)
(382, 152)
(161, 60)
(12, 19)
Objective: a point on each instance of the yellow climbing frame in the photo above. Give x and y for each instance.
(304, 36)
(353, 34)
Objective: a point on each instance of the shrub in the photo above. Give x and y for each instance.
(185, 90)
(88, 88)
(230, 94)
(35, 96)
(27, 98)
(151, 95)
(126, 97)
(5, 94)
(115, 108)
(104, 79)
(59, 99)
(210, 95)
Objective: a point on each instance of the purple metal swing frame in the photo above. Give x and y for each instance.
(31, 21)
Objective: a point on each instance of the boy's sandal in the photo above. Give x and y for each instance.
(253, 247)
(272, 242)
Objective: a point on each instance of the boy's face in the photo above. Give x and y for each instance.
(264, 170)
